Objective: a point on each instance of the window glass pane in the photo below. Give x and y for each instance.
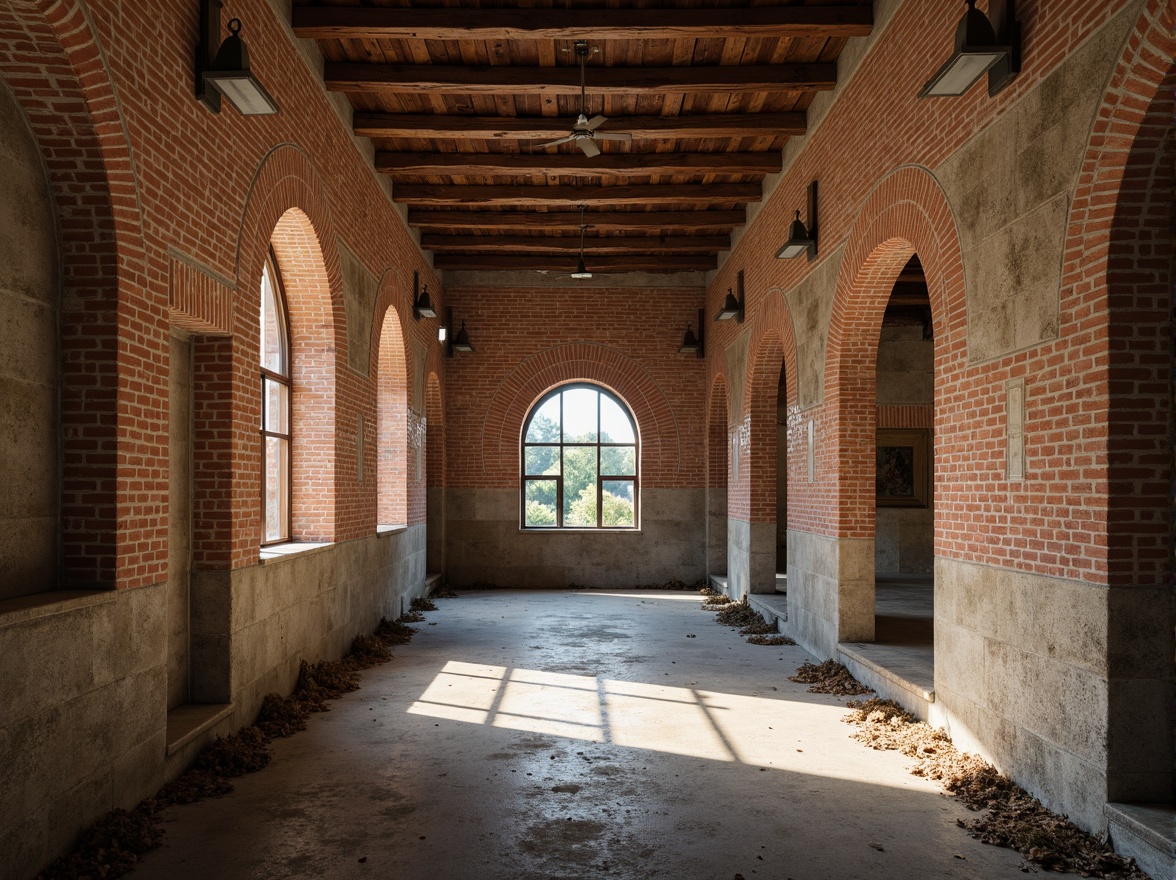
(277, 496)
(277, 407)
(620, 461)
(580, 415)
(273, 326)
(544, 427)
(542, 460)
(579, 485)
(617, 501)
(540, 498)
(615, 426)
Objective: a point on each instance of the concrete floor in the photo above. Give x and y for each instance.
(530, 735)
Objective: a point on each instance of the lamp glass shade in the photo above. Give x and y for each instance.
(442, 334)
(690, 343)
(731, 308)
(976, 50)
(581, 272)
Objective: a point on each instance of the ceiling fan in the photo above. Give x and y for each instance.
(584, 131)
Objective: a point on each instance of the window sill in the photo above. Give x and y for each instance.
(589, 531)
(278, 552)
(394, 529)
(27, 608)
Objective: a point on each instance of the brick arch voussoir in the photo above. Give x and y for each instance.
(286, 180)
(586, 362)
(907, 213)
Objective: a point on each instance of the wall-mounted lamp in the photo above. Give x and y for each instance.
(981, 46)
(223, 68)
(801, 238)
(422, 306)
(692, 343)
(460, 341)
(732, 305)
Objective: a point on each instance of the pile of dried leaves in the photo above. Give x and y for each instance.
(769, 640)
(716, 599)
(423, 603)
(739, 614)
(829, 677)
(1013, 819)
(111, 847)
(446, 593)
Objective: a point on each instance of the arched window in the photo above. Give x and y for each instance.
(579, 461)
(275, 406)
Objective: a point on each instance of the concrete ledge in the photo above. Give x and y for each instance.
(773, 606)
(915, 696)
(1147, 833)
(432, 582)
(25, 608)
(186, 722)
(718, 583)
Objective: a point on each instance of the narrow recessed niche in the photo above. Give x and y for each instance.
(1015, 428)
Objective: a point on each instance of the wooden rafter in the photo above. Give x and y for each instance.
(555, 263)
(535, 244)
(612, 220)
(361, 23)
(417, 125)
(554, 164)
(443, 79)
(568, 196)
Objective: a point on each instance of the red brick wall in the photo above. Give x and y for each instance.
(141, 173)
(1083, 432)
(528, 340)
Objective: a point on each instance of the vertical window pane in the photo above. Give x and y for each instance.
(617, 503)
(273, 326)
(277, 496)
(544, 427)
(277, 407)
(579, 485)
(618, 461)
(615, 426)
(540, 500)
(579, 416)
(542, 460)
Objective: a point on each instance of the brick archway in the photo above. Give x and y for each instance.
(718, 422)
(392, 369)
(906, 214)
(771, 357)
(113, 531)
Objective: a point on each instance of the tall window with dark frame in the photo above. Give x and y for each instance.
(579, 461)
(275, 407)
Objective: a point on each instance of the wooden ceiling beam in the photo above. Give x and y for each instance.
(491, 128)
(371, 23)
(563, 164)
(443, 195)
(443, 79)
(549, 220)
(555, 263)
(536, 244)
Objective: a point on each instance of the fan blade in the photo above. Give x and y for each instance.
(562, 140)
(595, 122)
(612, 136)
(590, 149)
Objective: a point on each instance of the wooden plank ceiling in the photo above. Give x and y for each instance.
(459, 99)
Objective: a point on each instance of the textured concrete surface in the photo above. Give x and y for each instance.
(484, 543)
(575, 735)
(28, 362)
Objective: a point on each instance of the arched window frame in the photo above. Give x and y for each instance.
(276, 426)
(603, 477)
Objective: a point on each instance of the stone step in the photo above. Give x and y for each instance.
(914, 690)
(1147, 833)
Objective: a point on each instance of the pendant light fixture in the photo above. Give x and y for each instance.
(222, 68)
(981, 46)
(581, 272)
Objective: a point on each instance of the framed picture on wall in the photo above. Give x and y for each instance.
(902, 467)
